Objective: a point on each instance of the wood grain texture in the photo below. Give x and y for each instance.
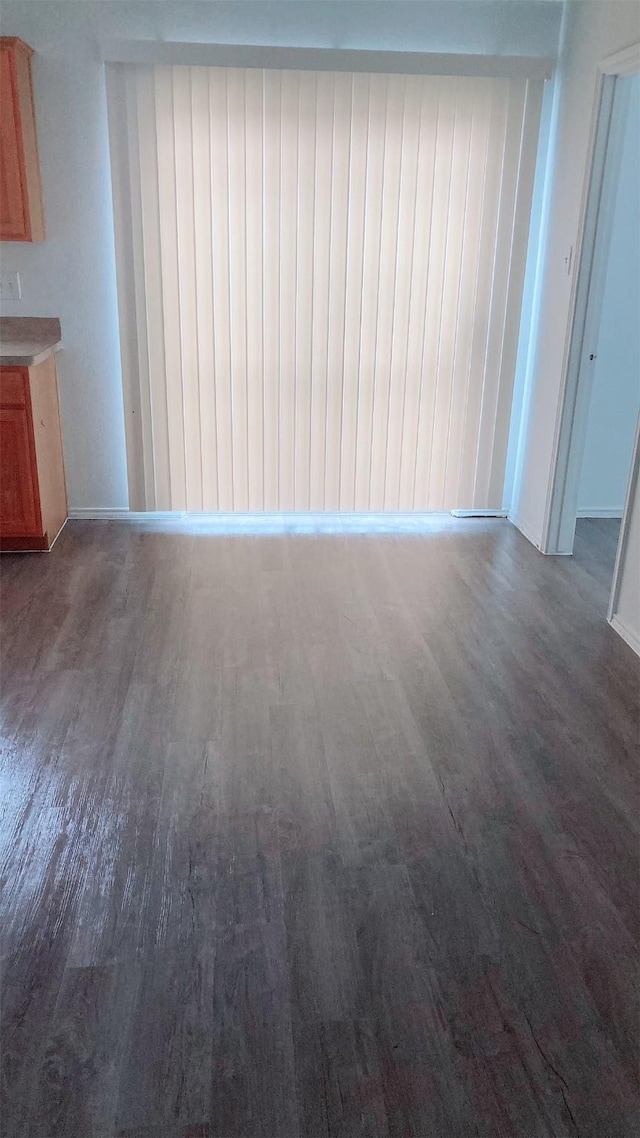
(33, 493)
(317, 836)
(20, 514)
(33, 182)
(13, 206)
(21, 212)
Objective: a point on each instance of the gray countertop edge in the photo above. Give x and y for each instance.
(26, 341)
(29, 359)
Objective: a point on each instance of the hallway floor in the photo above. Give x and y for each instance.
(317, 837)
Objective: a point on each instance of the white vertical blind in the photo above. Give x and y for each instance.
(320, 279)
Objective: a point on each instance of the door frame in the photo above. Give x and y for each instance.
(632, 491)
(560, 521)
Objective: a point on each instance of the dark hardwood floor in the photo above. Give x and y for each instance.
(321, 836)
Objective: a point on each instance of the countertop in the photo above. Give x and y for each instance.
(28, 340)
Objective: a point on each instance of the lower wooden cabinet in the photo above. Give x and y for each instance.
(33, 496)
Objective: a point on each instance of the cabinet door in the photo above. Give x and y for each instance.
(19, 504)
(13, 219)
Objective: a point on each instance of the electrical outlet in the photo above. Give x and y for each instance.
(10, 286)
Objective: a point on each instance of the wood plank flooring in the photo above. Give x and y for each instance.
(317, 837)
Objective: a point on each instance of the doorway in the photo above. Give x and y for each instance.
(596, 475)
(614, 342)
(611, 357)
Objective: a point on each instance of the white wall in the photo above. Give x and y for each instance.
(615, 394)
(591, 31)
(72, 274)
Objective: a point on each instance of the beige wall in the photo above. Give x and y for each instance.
(592, 31)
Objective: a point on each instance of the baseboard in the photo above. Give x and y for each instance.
(276, 522)
(630, 637)
(613, 512)
(117, 514)
(105, 513)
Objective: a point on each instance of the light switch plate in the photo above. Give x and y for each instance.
(10, 286)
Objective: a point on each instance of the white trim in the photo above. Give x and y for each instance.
(624, 62)
(121, 514)
(621, 553)
(611, 512)
(570, 428)
(284, 58)
(571, 420)
(627, 635)
(275, 523)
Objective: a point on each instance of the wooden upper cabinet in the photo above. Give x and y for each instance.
(21, 214)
